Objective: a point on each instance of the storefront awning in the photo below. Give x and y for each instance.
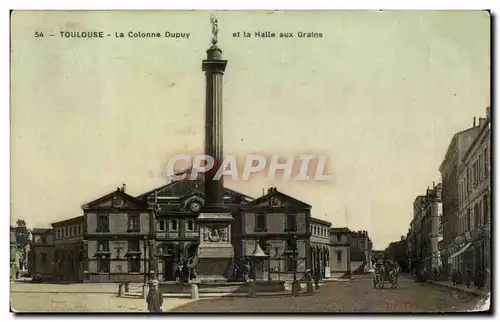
(461, 250)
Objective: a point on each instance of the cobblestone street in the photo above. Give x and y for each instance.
(357, 295)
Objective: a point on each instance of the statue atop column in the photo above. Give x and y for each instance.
(214, 52)
(215, 31)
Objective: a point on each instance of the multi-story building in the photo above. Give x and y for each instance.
(431, 228)
(426, 232)
(269, 220)
(397, 251)
(69, 250)
(320, 246)
(340, 252)
(41, 255)
(177, 231)
(119, 238)
(361, 252)
(14, 254)
(471, 249)
(449, 176)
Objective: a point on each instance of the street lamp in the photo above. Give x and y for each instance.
(292, 244)
(145, 245)
(268, 250)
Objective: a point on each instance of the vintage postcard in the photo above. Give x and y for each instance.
(250, 161)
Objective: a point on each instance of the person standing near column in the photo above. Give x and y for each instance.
(155, 297)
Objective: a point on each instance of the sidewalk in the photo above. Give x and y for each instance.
(462, 288)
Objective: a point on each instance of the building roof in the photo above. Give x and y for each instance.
(322, 222)
(484, 126)
(453, 143)
(68, 221)
(274, 192)
(339, 230)
(40, 231)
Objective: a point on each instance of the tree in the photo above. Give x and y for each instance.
(22, 235)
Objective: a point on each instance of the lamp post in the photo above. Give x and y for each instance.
(268, 250)
(145, 245)
(292, 244)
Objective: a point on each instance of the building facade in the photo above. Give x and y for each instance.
(431, 227)
(41, 254)
(69, 250)
(269, 221)
(426, 231)
(320, 246)
(472, 246)
(14, 254)
(177, 233)
(119, 238)
(340, 252)
(361, 252)
(449, 178)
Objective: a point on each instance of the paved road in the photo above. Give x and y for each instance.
(357, 295)
(27, 297)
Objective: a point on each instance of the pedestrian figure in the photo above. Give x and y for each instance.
(185, 272)
(478, 280)
(317, 277)
(468, 277)
(155, 297)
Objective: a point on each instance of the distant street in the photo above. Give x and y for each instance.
(357, 295)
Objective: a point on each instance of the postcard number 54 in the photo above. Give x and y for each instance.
(38, 34)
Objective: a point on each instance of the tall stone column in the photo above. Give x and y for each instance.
(215, 252)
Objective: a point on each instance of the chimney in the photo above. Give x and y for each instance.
(275, 189)
(263, 191)
(481, 121)
(474, 122)
(123, 187)
(269, 190)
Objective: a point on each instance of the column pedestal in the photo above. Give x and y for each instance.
(215, 252)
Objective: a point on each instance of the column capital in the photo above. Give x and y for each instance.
(214, 65)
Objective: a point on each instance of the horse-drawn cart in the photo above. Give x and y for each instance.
(383, 274)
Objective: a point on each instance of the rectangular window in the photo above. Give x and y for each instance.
(260, 222)
(467, 220)
(57, 233)
(161, 225)
(480, 167)
(291, 222)
(134, 264)
(103, 246)
(289, 263)
(174, 225)
(485, 160)
(43, 240)
(339, 257)
(476, 215)
(134, 246)
(190, 225)
(103, 264)
(134, 223)
(486, 208)
(103, 223)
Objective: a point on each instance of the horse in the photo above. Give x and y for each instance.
(378, 276)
